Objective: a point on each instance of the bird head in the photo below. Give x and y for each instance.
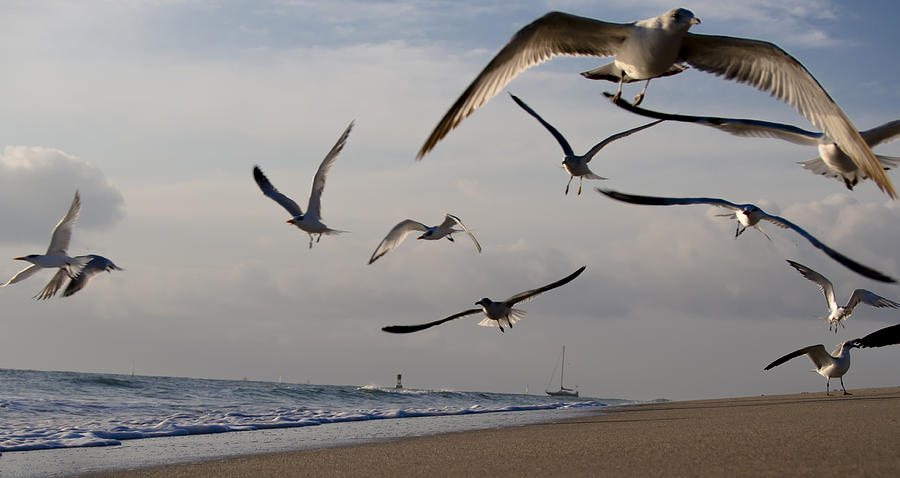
(426, 235)
(294, 220)
(680, 17)
(483, 302)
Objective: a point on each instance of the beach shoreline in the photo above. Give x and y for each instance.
(799, 435)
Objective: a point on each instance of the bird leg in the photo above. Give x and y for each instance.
(618, 94)
(740, 230)
(844, 389)
(310, 241)
(318, 238)
(568, 183)
(827, 381)
(640, 96)
(580, 182)
(450, 238)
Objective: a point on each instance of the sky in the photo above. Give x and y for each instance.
(157, 111)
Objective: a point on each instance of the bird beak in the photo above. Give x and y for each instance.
(418, 238)
(18, 258)
(695, 21)
(289, 221)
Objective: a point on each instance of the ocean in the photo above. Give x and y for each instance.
(77, 412)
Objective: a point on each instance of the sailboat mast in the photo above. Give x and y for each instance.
(562, 371)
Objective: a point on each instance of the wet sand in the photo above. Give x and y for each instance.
(786, 435)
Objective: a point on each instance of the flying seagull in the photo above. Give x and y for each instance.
(311, 222)
(837, 314)
(430, 233)
(575, 165)
(657, 47)
(95, 265)
(496, 313)
(833, 365)
(56, 255)
(832, 162)
(749, 215)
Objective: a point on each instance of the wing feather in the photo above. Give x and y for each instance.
(314, 208)
(820, 280)
(405, 329)
(22, 275)
(816, 353)
(567, 149)
(871, 298)
(880, 338)
(395, 236)
(263, 182)
(62, 233)
(451, 219)
(53, 286)
(530, 294)
(665, 201)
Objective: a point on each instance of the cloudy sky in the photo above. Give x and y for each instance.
(157, 111)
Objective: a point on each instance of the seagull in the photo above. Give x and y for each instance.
(495, 312)
(833, 365)
(431, 233)
(657, 47)
(574, 164)
(56, 255)
(832, 161)
(95, 265)
(749, 215)
(837, 314)
(311, 222)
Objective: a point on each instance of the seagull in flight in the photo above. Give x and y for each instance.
(56, 255)
(575, 165)
(749, 215)
(833, 365)
(832, 161)
(880, 338)
(836, 313)
(657, 47)
(95, 265)
(430, 233)
(495, 313)
(311, 222)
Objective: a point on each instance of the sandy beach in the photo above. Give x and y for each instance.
(806, 434)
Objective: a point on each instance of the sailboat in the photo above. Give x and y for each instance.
(563, 391)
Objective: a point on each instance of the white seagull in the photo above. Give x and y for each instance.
(56, 255)
(656, 47)
(95, 265)
(496, 313)
(575, 165)
(311, 222)
(430, 233)
(836, 313)
(749, 215)
(832, 162)
(833, 365)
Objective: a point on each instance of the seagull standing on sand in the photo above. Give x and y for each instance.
(833, 365)
(575, 165)
(832, 162)
(95, 265)
(56, 255)
(496, 313)
(836, 313)
(430, 233)
(749, 215)
(656, 47)
(311, 222)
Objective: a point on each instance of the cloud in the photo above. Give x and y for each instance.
(36, 188)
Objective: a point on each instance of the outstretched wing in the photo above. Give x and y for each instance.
(551, 35)
(22, 275)
(450, 220)
(871, 298)
(881, 337)
(734, 126)
(405, 329)
(882, 134)
(62, 233)
(396, 235)
(769, 68)
(530, 294)
(818, 279)
(95, 265)
(846, 261)
(263, 182)
(664, 201)
(816, 353)
(314, 208)
(54, 285)
(597, 147)
(567, 149)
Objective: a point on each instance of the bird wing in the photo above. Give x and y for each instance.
(62, 233)
(880, 338)
(53, 286)
(450, 220)
(820, 280)
(597, 147)
(817, 353)
(882, 134)
(769, 68)
(553, 34)
(871, 298)
(22, 275)
(314, 208)
(405, 329)
(396, 235)
(734, 126)
(567, 149)
(846, 261)
(530, 294)
(263, 182)
(663, 201)
(96, 264)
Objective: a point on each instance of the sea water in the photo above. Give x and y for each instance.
(68, 410)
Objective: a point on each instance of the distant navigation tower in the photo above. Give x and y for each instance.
(399, 381)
